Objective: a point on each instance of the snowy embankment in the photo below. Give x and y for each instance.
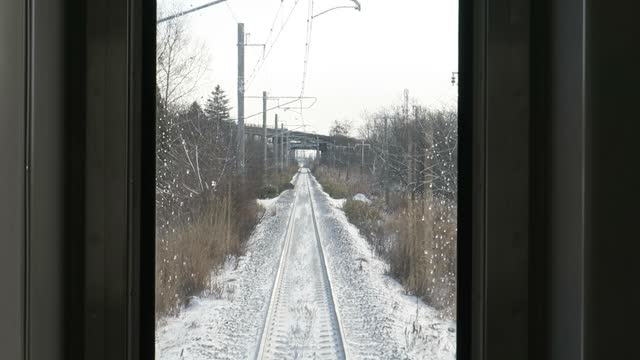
(380, 320)
(229, 326)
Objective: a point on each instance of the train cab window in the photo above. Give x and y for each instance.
(306, 179)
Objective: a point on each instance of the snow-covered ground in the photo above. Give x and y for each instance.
(229, 327)
(302, 322)
(378, 320)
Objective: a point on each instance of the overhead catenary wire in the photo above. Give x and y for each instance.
(233, 14)
(262, 60)
(357, 6)
(310, 17)
(306, 55)
(268, 52)
(273, 24)
(309, 29)
(182, 13)
(307, 47)
(295, 99)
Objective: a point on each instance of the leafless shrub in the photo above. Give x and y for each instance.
(186, 257)
(423, 252)
(407, 164)
(338, 184)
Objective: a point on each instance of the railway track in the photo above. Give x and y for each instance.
(302, 321)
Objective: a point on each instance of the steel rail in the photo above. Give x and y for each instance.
(278, 280)
(327, 275)
(265, 334)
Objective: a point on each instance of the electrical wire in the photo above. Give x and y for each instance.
(233, 14)
(273, 24)
(279, 106)
(268, 52)
(185, 12)
(307, 46)
(306, 55)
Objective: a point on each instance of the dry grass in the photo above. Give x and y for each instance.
(338, 185)
(369, 219)
(277, 182)
(423, 252)
(417, 238)
(186, 257)
(204, 233)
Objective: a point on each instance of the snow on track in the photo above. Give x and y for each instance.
(302, 321)
(362, 314)
(379, 320)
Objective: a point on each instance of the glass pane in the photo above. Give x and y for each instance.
(306, 179)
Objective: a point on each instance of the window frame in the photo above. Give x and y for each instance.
(494, 112)
(110, 156)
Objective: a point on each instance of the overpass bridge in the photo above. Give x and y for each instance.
(297, 140)
(286, 142)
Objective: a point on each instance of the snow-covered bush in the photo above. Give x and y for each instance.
(408, 160)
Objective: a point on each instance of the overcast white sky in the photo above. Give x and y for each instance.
(358, 61)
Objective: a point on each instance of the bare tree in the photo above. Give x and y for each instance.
(340, 128)
(413, 163)
(181, 62)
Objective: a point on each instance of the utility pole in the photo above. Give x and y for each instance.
(428, 150)
(412, 154)
(362, 160)
(385, 179)
(275, 141)
(333, 152)
(362, 156)
(317, 150)
(281, 146)
(410, 159)
(240, 139)
(405, 108)
(264, 130)
(348, 160)
(405, 115)
(288, 152)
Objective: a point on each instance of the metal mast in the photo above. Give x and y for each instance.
(240, 138)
